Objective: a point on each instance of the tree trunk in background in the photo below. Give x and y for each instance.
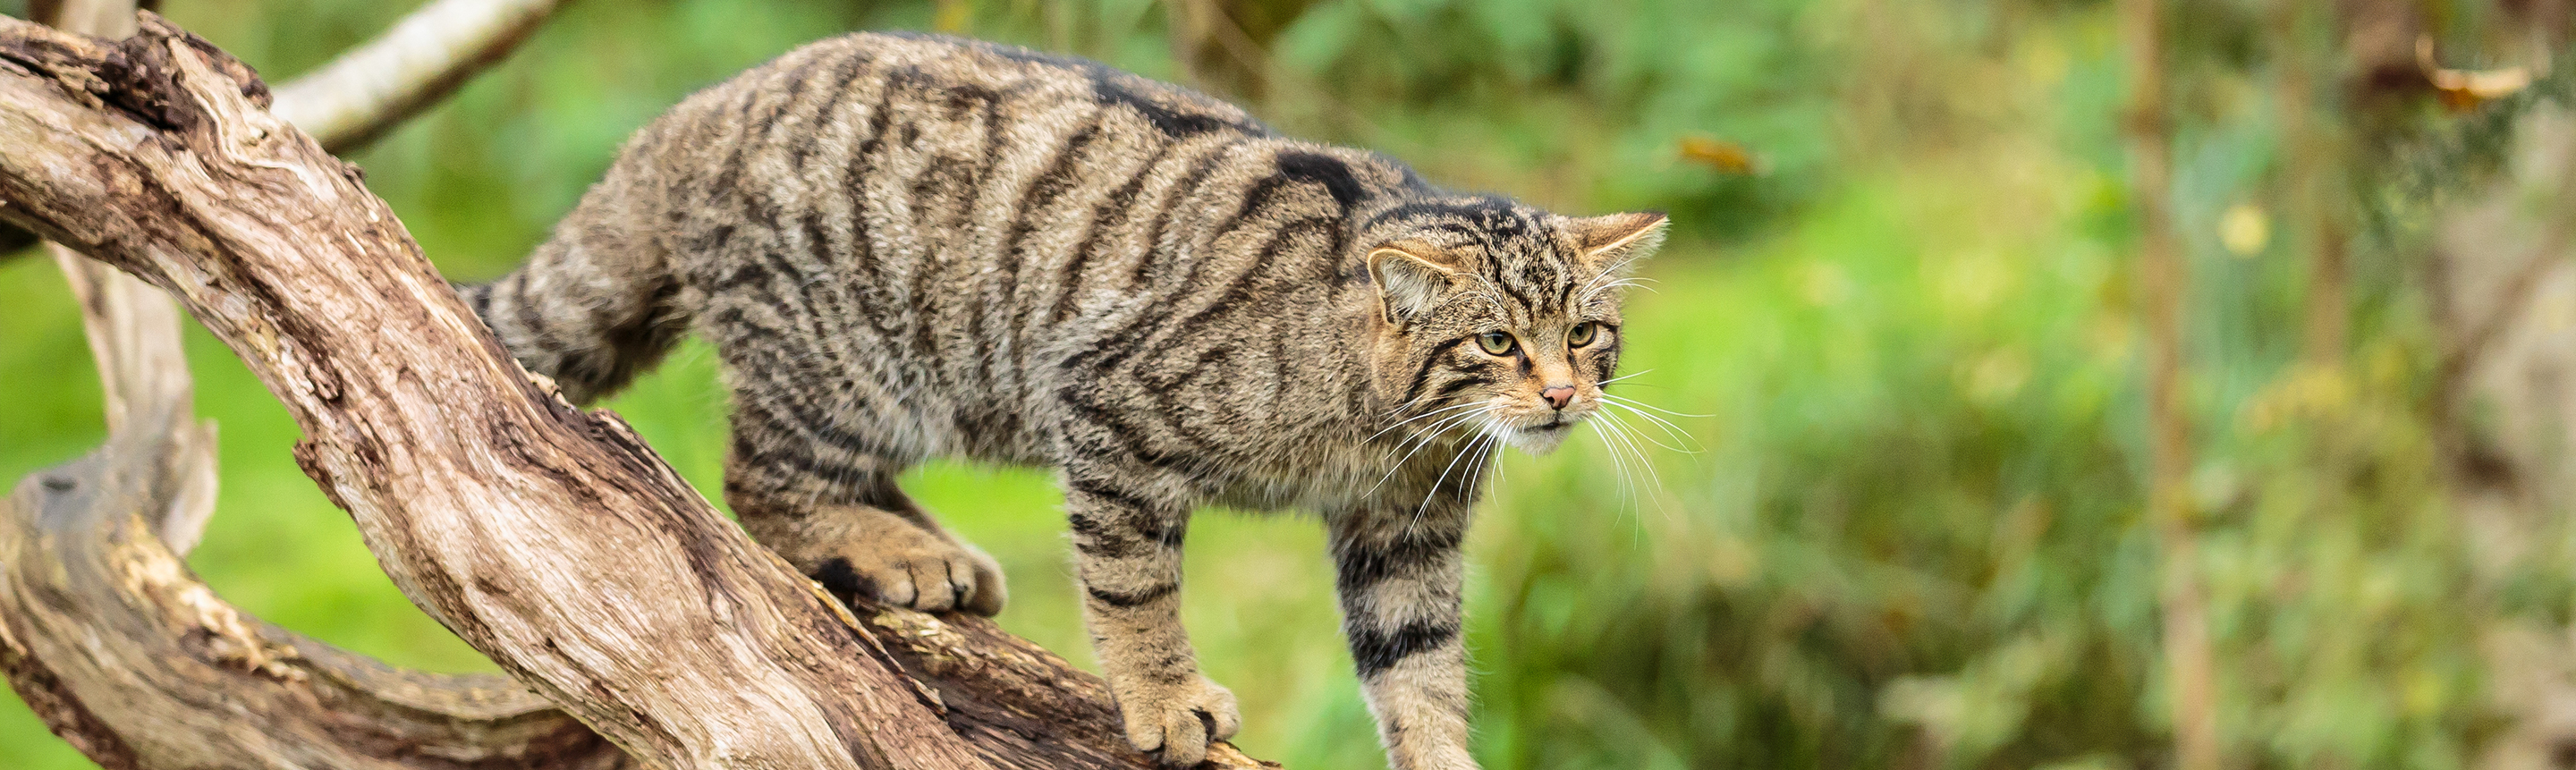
(2193, 697)
(550, 539)
(2313, 190)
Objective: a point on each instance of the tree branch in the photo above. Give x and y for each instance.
(549, 539)
(429, 54)
(133, 332)
(107, 636)
(368, 90)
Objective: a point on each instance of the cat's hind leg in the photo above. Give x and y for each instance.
(830, 507)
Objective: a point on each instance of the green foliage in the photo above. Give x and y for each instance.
(1902, 351)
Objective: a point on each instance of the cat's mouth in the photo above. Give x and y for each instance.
(1542, 438)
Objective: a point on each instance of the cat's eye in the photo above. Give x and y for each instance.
(1496, 343)
(1581, 334)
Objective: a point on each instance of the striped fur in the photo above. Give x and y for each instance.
(909, 246)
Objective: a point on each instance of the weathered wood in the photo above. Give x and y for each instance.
(133, 331)
(367, 90)
(552, 540)
(106, 636)
(105, 633)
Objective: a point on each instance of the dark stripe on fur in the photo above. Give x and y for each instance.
(1374, 650)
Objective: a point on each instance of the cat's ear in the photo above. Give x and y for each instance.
(1410, 278)
(1612, 240)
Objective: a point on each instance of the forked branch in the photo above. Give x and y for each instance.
(108, 637)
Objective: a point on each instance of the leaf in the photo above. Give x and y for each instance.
(1725, 156)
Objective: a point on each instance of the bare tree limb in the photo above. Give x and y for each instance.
(105, 634)
(374, 87)
(368, 90)
(552, 540)
(133, 332)
(105, 18)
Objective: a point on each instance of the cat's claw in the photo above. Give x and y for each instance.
(1176, 722)
(919, 570)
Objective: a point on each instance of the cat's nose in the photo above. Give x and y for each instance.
(1558, 395)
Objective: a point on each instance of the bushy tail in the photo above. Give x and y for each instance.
(593, 308)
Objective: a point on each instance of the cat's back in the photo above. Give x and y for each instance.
(906, 105)
(944, 218)
(900, 169)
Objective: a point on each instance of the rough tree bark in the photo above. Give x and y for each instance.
(105, 634)
(551, 540)
(362, 93)
(133, 329)
(108, 638)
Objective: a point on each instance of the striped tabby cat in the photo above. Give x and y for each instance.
(909, 246)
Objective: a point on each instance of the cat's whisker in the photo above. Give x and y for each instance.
(1417, 401)
(1493, 462)
(1644, 405)
(1419, 443)
(1442, 427)
(1607, 273)
(1627, 480)
(1637, 488)
(1643, 283)
(1410, 420)
(1654, 477)
(1475, 446)
(1622, 377)
(1625, 436)
(1634, 283)
(1476, 475)
(1670, 430)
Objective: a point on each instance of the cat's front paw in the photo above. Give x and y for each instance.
(915, 568)
(1176, 722)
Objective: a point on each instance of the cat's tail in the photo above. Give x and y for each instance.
(593, 307)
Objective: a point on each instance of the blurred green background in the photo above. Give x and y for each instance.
(1902, 524)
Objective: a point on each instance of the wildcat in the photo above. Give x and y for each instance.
(907, 246)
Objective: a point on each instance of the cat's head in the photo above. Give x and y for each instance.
(1499, 318)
